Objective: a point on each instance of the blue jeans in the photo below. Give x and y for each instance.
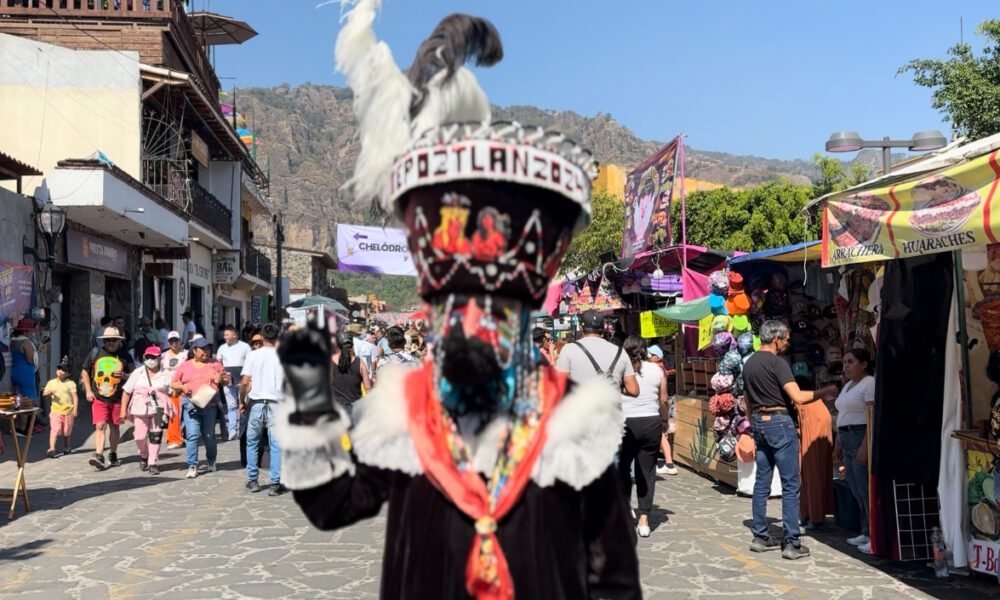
(232, 411)
(198, 423)
(777, 446)
(857, 473)
(262, 415)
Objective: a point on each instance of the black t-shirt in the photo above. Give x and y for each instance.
(764, 377)
(101, 366)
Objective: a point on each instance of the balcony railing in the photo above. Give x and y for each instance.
(152, 12)
(256, 264)
(212, 213)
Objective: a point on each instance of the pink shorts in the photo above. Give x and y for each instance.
(106, 412)
(61, 424)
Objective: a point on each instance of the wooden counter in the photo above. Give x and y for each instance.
(694, 441)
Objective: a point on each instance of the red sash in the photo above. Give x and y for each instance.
(487, 576)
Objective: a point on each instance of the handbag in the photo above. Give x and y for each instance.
(203, 396)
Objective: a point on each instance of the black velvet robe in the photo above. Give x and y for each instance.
(559, 543)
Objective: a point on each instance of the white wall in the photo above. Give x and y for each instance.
(59, 103)
(224, 183)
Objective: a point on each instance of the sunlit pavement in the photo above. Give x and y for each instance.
(123, 534)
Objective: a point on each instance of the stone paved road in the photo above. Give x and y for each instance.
(121, 534)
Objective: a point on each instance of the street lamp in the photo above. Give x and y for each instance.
(51, 220)
(922, 141)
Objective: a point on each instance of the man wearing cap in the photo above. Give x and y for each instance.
(364, 349)
(498, 479)
(102, 378)
(233, 354)
(173, 356)
(593, 356)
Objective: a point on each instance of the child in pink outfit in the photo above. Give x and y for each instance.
(145, 401)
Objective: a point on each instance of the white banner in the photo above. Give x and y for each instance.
(375, 250)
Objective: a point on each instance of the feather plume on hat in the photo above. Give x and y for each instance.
(393, 109)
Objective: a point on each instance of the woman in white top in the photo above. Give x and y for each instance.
(852, 432)
(643, 429)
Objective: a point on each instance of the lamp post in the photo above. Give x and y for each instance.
(922, 141)
(50, 220)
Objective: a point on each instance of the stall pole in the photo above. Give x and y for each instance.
(963, 339)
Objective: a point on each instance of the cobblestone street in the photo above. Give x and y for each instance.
(122, 534)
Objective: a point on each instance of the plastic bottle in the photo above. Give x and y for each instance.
(938, 545)
(17, 402)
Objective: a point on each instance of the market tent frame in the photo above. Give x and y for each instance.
(794, 253)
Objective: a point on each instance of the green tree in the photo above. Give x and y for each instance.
(966, 87)
(603, 235)
(834, 177)
(756, 218)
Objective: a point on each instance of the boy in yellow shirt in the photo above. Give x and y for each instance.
(64, 408)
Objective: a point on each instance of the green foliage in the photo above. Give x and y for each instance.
(752, 219)
(833, 177)
(966, 87)
(398, 291)
(604, 234)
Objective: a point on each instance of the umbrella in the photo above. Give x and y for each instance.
(329, 303)
(687, 312)
(218, 30)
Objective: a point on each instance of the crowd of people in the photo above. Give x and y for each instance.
(180, 389)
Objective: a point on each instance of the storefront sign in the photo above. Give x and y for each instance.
(648, 193)
(983, 556)
(225, 268)
(377, 250)
(652, 325)
(950, 210)
(199, 149)
(93, 252)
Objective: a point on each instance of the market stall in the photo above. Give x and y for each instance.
(935, 222)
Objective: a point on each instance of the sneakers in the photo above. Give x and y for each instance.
(253, 486)
(192, 472)
(764, 545)
(51, 453)
(97, 461)
(859, 540)
(113, 459)
(153, 470)
(173, 446)
(865, 548)
(666, 470)
(276, 489)
(791, 552)
(143, 465)
(212, 468)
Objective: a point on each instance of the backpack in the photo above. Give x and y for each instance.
(610, 374)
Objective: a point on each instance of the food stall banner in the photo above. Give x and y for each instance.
(947, 210)
(649, 190)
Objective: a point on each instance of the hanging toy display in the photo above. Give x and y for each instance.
(718, 287)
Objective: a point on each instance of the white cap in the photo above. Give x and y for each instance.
(173, 335)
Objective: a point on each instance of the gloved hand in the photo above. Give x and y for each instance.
(305, 356)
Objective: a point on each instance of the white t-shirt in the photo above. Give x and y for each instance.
(572, 360)
(267, 378)
(852, 403)
(235, 355)
(647, 403)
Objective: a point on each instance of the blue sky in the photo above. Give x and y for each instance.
(769, 78)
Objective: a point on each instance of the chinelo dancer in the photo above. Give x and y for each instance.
(499, 477)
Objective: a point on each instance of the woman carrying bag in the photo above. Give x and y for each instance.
(146, 403)
(198, 381)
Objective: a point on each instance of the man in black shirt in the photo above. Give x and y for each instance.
(104, 373)
(771, 391)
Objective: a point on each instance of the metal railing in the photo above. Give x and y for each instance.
(210, 212)
(256, 264)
